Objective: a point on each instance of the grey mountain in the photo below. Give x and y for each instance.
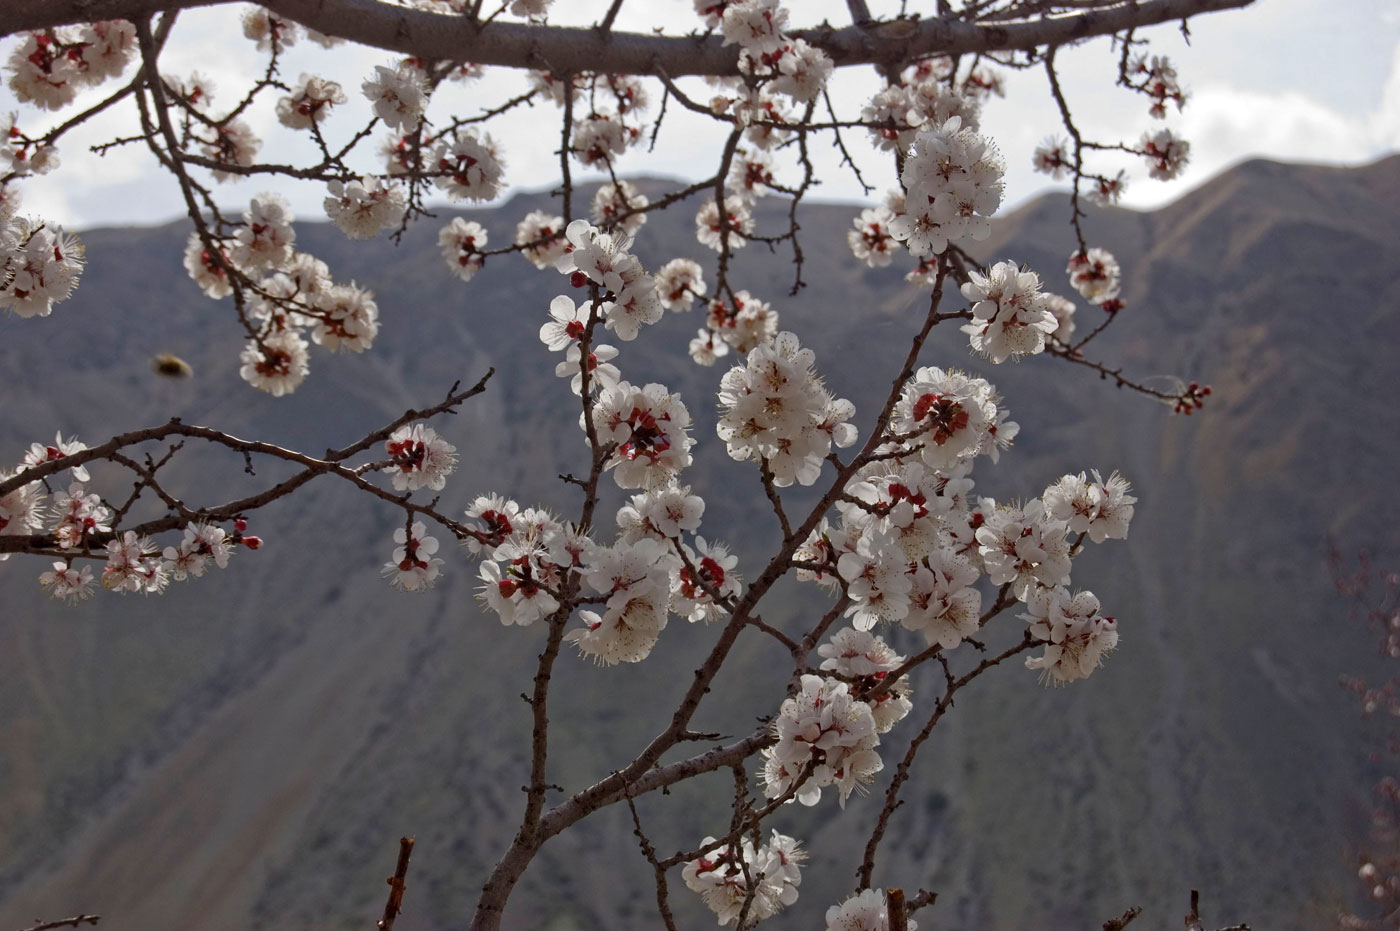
(244, 751)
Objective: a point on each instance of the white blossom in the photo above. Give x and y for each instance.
(823, 717)
(265, 239)
(68, 584)
(599, 138)
(663, 513)
(346, 318)
(514, 594)
(636, 304)
(953, 417)
(601, 257)
(133, 565)
(871, 241)
(107, 48)
(1166, 154)
(542, 236)
(277, 363)
(201, 545)
(312, 98)
(1063, 310)
(21, 156)
(878, 582)
(864, 912)
(1076, 636)
(738, 221)
(270, 31)
(1095, 275)
(859, 654)
(944, 605)
(1159, 82)
(421, 458)
(678, 283)
(41, 265)
(399, 96)
(566, 325)
(1009, 314)
(43, 74)
(706, 349)
(1025, 547)
(714, 572)
(21, 510)
(493, 518)
(750, 174)
(934, 103)
(745, 323)
(602, 374)
(413, 567)
(76, 515)
(620, 204)
(775, 408)
(233, 144)
(1107, 191)
(891, 110)
(650, 428)
(461, 243)
(635, 577)
(362, 207)
(1102, 509)
(754, 25)
(803, 71)
(722, 877)
(211, 278)
(953, 180)
(1052, 157)
(469, 167)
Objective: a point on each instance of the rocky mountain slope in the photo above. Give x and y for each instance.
(244, 751)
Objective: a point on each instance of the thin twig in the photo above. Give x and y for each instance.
(1121, 922)
(394, 905)
(867, 866)
(663, 892)
(73, 922)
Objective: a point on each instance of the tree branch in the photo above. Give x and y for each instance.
(1121, 922)
(431, 35)
(332, 464)
(394, 905)
(73, 922)
(867, 866)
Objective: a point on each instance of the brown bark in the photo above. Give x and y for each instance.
(566, 50)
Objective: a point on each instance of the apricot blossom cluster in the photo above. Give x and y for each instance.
(916, 561)
(80, 525)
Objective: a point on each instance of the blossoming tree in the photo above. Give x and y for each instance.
(921, 571)
(1373, 597)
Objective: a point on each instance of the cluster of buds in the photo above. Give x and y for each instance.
(1192, 399)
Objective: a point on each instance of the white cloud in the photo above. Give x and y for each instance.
(1227, 125)
(1385, 121)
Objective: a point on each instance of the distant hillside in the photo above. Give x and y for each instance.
(244, 751)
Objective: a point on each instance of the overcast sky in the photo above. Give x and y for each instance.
(1301, 80)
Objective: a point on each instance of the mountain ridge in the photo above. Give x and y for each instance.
(378, 702)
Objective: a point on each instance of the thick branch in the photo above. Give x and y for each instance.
(566, 50)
